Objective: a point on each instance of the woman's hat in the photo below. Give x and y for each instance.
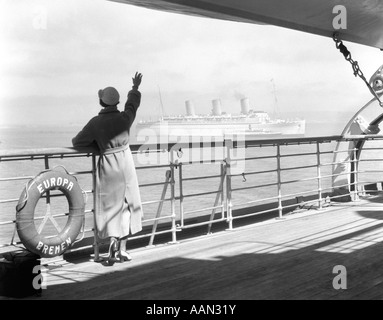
(109, 96)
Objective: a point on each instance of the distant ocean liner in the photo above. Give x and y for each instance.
(218, 123)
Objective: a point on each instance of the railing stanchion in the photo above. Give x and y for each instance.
(181, 195)
(319, 174)
(356, 175)
(280, 206)
(173, 197)
(46, 162)
(223, 170)
(229, 147)
(46, 165)
(96, 248)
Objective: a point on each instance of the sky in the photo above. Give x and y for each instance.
(57, 54)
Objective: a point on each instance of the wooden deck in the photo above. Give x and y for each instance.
(278, 259)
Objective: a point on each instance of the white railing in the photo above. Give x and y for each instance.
(273, 177)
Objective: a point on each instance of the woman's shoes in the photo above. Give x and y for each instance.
(113, 255)
(116, 254)
(125, 256)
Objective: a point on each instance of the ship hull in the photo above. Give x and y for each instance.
(272, 129)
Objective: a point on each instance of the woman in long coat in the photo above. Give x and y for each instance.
(118, 210)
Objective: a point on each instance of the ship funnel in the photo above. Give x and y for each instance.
(190, 111)
(245, 105)
(217, 109)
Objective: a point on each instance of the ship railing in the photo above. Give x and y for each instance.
(298, 175)
(42, 160)
(316, 181)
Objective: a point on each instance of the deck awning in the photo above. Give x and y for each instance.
(364, 17)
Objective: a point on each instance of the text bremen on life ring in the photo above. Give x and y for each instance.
(29, 236)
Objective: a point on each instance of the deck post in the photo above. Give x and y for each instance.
(48, 196)
(229, 147)
(180, 175)
(46, 162)
(319, 174)
(356, 175)
(280, 206)
(96, 248)
(46, 165)
(173, 197)
(223, 170)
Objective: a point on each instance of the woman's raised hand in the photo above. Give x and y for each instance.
(137, 80)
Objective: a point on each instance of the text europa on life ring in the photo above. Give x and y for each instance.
(38, 187)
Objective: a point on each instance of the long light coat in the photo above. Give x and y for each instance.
(118, 210)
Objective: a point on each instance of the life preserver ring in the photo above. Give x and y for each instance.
(48, 247)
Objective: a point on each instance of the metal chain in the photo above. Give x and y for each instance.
(355, 66)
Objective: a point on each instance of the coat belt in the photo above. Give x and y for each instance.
(115, 150)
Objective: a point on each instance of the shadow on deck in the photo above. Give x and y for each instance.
(289, 259)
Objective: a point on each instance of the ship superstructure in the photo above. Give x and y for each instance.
(219, 123)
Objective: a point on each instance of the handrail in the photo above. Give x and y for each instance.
(46, 152)
(169, 146)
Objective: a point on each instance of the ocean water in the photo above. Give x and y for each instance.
(29, 137)
(36, 137)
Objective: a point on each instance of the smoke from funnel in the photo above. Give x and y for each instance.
(238, 95)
